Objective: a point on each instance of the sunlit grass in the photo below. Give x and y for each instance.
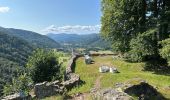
(58, 97)
(128, 71)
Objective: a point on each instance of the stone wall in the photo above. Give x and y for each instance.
(71, 79)
(69, 68)
(45, 89)
(17, 96)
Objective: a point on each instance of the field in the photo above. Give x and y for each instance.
(128, 71)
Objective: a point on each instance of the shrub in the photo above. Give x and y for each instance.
(143, 46)
(165, 50)
(44, 66)
(19, 84)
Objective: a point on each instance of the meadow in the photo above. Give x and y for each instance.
(128, 72)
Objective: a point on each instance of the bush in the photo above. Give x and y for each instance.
(165, 51)
(143, 46)
(20, 84)
(44, 66)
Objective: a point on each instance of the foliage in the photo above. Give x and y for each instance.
(20, 84)
(122, 20)
(44, 66)
(143, 46)
(128, 25)
(13, 56)
(14, 49)
(165, 50)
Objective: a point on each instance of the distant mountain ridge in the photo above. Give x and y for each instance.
(33, 38)
(77, 40)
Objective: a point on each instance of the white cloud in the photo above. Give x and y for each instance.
(79, 29)
(4, 9)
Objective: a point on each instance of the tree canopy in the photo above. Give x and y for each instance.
(126, 23)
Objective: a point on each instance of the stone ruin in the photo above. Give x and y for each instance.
(144, 91)
(125, 91)
(45, 89)
(110, 94)
(17, 96)
(72, 82)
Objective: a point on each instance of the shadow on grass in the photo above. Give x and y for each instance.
(74, 65)
(144, 91)
(158, 66)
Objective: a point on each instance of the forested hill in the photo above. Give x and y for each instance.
(13, 56)
(85, 41)
(33, 38)
(14, 49)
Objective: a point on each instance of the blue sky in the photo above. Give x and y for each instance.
(58, 16)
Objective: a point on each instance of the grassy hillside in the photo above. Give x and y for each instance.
(128, 71)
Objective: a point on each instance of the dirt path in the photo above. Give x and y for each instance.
(85, 96)
(97, 83)
(82, 96)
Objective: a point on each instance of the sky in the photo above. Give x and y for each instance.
(51, 16)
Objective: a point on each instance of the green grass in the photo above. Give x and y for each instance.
(54, 98)
(128, 71)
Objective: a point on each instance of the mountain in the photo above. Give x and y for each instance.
(33, 38)
(15, 47)
(75, 40)
(13, 56)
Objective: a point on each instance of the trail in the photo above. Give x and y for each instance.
(97, 83)
(85, 96)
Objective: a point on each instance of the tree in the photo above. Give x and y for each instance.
(143, 47)
(122, 20)
(44, 66)
(126, 23)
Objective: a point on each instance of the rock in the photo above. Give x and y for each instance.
(73, 81)
(48, 89)
(17, 96)
(113, 70)
(104, 69)
(110, 94)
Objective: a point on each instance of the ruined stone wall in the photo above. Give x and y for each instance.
(45, 89)
(71, 79)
